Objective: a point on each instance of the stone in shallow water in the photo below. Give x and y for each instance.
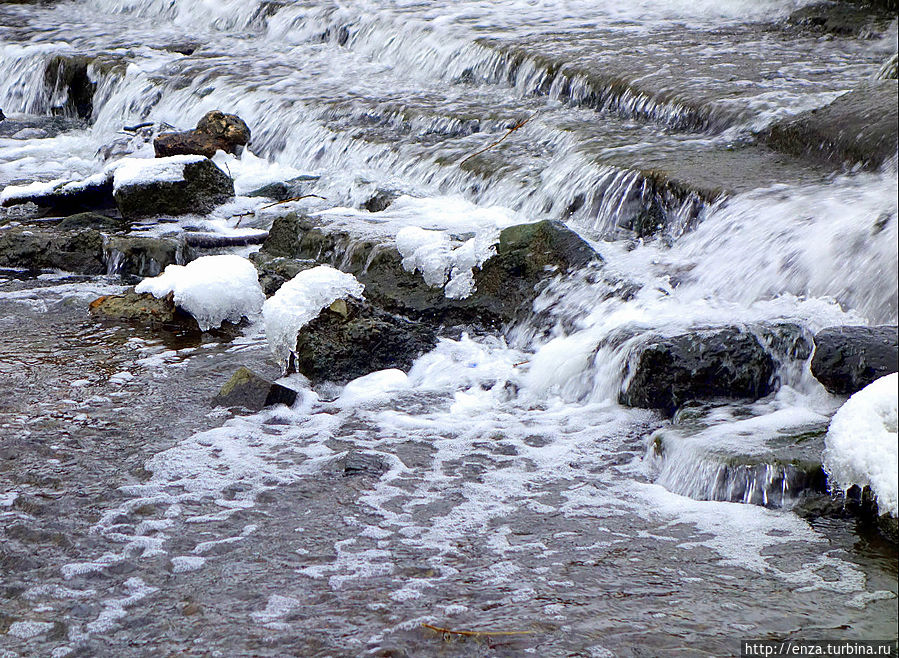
(142, 309)
(351, 339)
(849, 358)
(249, 390)
(215, 131)
(665, 372)
(78, 251)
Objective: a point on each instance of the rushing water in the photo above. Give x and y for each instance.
(499, 485)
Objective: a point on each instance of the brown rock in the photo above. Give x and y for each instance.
(215, 131)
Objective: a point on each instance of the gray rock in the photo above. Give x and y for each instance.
(849, 358)
(351, 339)
(79, 251)
(275, 271)
(203, 187)
(248, 390)
(93, 220)
(665, 372)
(505, 286)
(281, 191)
(859, 127)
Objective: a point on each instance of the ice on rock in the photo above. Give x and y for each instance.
(212, 289)
(863, 443)
(299, 301)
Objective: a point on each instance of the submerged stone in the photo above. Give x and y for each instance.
(140, 255)
(847, 359)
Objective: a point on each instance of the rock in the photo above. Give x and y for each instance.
(527, 255)
(202, 187)
(78, 251)
(351, 339)
(140, 255)
(215, 131)
(38, 127)
(857, 128)
(281, 191)
(93, 220)
(380, 201)
(64, 197)
(842, 19)
(275, 271)
(356, 463)
(144, 310)
(505, 286)
(849, 358)
(249, 390)
(665, 372)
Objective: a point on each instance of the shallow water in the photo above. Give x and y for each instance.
(499, 486)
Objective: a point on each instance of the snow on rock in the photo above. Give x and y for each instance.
(212, 289)
(140, 171)
(863, 444)
(300, 300)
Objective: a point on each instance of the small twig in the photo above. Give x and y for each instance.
(510, 131)
(450, 631)
(138, 126)
(276, 203)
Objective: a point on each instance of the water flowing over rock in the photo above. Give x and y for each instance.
(859, 127)
(847, 359)
(214, 132)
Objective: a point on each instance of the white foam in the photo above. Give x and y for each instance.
(299, 301)
(213, 289)
(863, 443)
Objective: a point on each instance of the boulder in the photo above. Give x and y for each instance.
(859, 127)
(200, 187)
(79, 251)
(728, 362)
(140, 255)
(248, 390)
(505, 286)
(144, 310)
(350, 339)
(381, 200)
(215, 131)
(849, 358)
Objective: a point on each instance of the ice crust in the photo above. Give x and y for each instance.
(212, 289)
(299, 301)
(862, 443)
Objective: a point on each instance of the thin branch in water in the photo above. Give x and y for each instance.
(497, 142)
(449, 631)
(271, 205)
